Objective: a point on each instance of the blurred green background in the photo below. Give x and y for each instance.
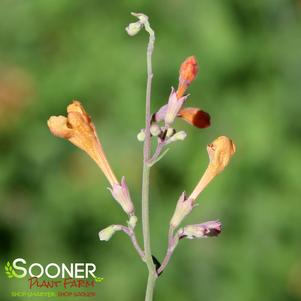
(53, 198)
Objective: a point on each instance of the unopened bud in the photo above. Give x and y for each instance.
(141, 136)
(170, 132)
(155, 130)
(133, 221)
(107, 233)
(133, 28)
(195, 117)
(208, 229)
(179, 136)
(188, 72)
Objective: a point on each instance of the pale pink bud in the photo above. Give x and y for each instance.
(208, 229)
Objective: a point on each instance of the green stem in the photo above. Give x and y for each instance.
(152, 274)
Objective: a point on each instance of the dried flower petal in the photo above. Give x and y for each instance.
(204, 230)
(79, 130)
(196, 117)
(188, 72)
(220, 152)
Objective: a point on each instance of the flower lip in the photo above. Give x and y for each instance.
(220, 152)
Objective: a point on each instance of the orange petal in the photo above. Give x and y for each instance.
(195, 117)
(188, 72)
(58, 127)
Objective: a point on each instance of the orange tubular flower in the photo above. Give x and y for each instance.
(220, 152)
(188, 72)
(79, 130)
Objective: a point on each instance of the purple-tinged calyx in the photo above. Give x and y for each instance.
(173, 107)
(183, 208)
(208, 229)
(120, 193)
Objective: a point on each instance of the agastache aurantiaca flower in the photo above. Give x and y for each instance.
(174, 108)
(220, 152)
(78, 128)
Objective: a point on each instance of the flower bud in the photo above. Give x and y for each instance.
(188, 72)
(204, 230)
(170, 132)
(195, 117)
(133, 221)
(141, 135)
(107, 233)
(133, 28)
(179, 136)
(155, 130)
(121, 194)
(183, 208)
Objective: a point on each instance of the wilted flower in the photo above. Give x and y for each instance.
(107, 233)
(195, 117)
(220, 152)
(208, 229)
(188, 72)
(183, 208)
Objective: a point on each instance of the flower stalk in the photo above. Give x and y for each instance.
(152, 274)
(78, 129)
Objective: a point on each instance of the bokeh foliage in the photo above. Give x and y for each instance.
(53, 198)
